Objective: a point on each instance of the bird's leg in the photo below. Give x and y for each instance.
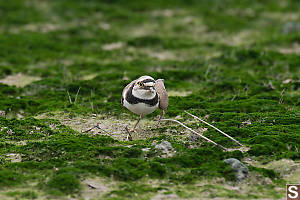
(138, 121)
(129, 137)
(160, 117)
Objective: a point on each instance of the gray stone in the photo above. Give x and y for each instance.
(241, 170)
(165, 148)
(14, 157)
(291, 27)
(2, 113)
(164, 145)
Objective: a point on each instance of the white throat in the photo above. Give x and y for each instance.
(143, 94)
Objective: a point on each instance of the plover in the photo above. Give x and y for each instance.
(143, 96)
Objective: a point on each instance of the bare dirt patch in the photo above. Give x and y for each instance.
(93, 188)
(19, 80)
(109, 126)
(179, 93)
(170, 21)
(165, 197)
(116, 127)
(293, 49)
(281, 16)
(288, 169)
(245, 37)
(89, 76)
(161, 55)
(113, 46)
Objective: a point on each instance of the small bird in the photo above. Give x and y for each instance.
(143, 96)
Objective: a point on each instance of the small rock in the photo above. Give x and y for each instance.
(268, 181)
(164, 145)
(165, 148)
(9, 132)
(112, 46)
(287, 81)
(21, 143)
(245, 123)
(19, 116)
(146, 149)
(104, 26)
(2, 113)
(291, 27)
(14, 157)
(241, 170)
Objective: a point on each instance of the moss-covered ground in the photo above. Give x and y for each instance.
(234, 63)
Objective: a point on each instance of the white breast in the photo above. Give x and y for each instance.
(140, 108)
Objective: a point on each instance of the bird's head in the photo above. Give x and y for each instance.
(145, 84)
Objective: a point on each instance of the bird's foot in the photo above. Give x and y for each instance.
(129, 137)
(129, 131)
(132, 130)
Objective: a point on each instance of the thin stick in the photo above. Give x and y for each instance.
(76, 95)
(205, 138)
(92, 105)
(70, 100)
(89, 129)
(91, 186)
(213, 127)
(96, 126)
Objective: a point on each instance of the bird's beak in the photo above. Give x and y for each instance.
(149, 86)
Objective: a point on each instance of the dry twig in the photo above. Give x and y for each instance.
(214, 128)
(205, 138)
(70, 100)
(75, 101)
(96, 126)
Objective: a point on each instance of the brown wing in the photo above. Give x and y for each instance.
(125, 90)
(162, 94)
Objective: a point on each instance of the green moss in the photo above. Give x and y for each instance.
(221, 170)
(18, 12)
(63, 183)
(157, 170)
(23, 195)
(129, 169)
(265, 172)
(9, 178)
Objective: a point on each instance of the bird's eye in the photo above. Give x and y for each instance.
(141, 84)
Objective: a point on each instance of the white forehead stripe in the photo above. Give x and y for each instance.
(144, 78)
(149, 84)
